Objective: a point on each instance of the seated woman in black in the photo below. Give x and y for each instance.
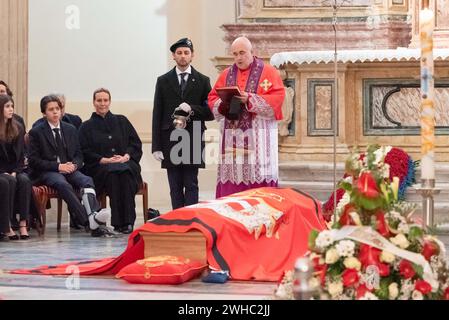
(112, 151)
(15, 185)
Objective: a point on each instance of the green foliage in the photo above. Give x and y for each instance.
(383, 292)
(415, 233)
(347, 186)
(312, 237)
(419, 270)
(335, 270)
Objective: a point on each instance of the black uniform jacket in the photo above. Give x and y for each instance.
(168, 97)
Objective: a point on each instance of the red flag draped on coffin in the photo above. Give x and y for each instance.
(255, 235)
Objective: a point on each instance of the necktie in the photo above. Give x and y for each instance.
(183, 82)
(59, 146)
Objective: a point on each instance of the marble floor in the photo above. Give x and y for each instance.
(67, 246)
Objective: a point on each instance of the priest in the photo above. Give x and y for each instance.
(248, 122)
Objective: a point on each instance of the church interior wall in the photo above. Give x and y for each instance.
(123, 47)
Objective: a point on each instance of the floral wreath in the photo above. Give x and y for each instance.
(373, 250)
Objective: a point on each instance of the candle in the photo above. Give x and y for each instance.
(426, 22)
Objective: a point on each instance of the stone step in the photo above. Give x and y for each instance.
(322, 190)
(309, 171)
(323, 171)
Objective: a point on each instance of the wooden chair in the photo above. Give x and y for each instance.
(143, 190)
(42, 196)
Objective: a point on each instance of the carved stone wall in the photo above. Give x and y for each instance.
(378, 102)
(292, 25)
(14, 50)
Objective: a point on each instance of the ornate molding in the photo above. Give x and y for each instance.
(269, 38)
(252, 10)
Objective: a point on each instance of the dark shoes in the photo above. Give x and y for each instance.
(23, 236)
(103, 232)
(4, 237)
(125, 229)
(14, 237)
(153, 213)
(74, 226)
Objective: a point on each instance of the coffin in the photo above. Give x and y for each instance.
(190, 244)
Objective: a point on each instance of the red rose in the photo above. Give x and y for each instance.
(367, 186)
(384, 269)
(345, 219)
(320, 269)
(423, 286)
(328, 207)
(398, 161)
(446, 294)
(406, 269)
(381, 224)
(369, 255)
(322, 274)
(361, 291)
(429, 249)
(350, 277)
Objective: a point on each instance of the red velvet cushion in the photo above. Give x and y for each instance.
(162, 270)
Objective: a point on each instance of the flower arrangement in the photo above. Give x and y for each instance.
(374, 250)
(390, 160)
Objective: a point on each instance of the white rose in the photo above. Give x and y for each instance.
(393, 291)
(401, 241)
(369, 296)
(352, 263)
(335, 288)
(331, 256)
(387, 257)
(417, 295)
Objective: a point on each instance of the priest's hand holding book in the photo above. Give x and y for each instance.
(232, 101)
(243, 98)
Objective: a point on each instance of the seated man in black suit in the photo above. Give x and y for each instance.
(55, 159)
(68, 118)
(73, 119)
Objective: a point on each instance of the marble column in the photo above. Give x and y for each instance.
(14, 50)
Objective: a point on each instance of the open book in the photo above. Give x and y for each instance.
(226, 93)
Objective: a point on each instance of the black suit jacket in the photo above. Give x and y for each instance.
(166, 99)
(13, 162)
(43, 154)
(72, 119)
(20, 120)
